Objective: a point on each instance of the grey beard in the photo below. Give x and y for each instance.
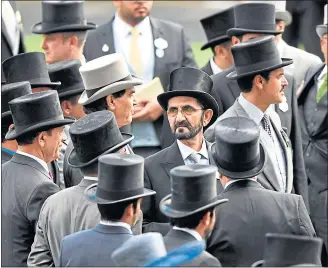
(192, 133)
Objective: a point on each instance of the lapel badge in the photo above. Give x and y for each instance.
(160, 45)
(105, 48)
(159, 53)
(284, 105)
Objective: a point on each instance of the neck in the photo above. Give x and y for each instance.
(10, 145)
(201, 231)
(30, 149)
(194, 143)
(221, 62)
(278, 38)
(256, 100)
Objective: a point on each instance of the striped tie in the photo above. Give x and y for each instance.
(323, 89)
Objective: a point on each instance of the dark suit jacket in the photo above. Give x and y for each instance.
(208, 69)
(177, 238)
(92, 247)
(25, 186)
(227, 91)
(252, 211)
(315, 140)
(177, 54)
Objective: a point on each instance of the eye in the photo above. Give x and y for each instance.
(188, 109)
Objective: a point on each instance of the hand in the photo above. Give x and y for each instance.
(147, 110)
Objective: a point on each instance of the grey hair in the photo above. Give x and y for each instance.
(81, 36)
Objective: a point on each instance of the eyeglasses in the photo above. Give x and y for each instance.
(185, 110)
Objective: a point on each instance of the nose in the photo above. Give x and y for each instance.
(134, 100)
(44, 44)
(180, 117)
(284, 82)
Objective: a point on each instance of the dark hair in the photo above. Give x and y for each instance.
(91, 169)
(101, 104)
(114, 212)
(72, 99)
(28, 138)
(192, 221)
(226, 44)
(246, 83)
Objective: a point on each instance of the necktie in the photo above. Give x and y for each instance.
(323, 89)
(194, 158)
(135, 53)
(266, 124)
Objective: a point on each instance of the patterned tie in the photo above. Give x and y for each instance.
(194, 158)
(135, 53)
(266, 124)
(323, 89)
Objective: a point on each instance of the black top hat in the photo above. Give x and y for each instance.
(62, 16)
(94, 135)
(282, 250)
(30, 67)
(216, 26)
(254, 18)
(323, 28)
(10, 92)
(255, 56)
(67, 72)
(237, 151)
(193, 190)
(36, 112)
(191, 82)
(120, 178)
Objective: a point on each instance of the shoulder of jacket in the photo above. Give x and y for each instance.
(166, 23)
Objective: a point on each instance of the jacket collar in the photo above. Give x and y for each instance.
(108, 229)
(242, 184)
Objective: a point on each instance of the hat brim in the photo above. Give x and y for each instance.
(110, 89)
(51, 85)
(240, 31)
(6, 115)
(233, 75)
(245, 174)
(70, 92)
(12, 134)
(38, 29)
(90, 194)
(74, 161)
(167, 210)
(285, 16)
(215, 42)
(321, 30)
(258, 263)
(261, 263)
(203, 97)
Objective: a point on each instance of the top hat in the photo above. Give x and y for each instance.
(67, 72)
(237, 151)
(36, 112)
(30, 67)
(120, 179)
(104, 76)
(62, 16)
(254, 18)
(282, 250)
(255, 56)
(216, 26)
(191, 82)
(94, 135)
(323, 28)
(193, 190)
(10, 92)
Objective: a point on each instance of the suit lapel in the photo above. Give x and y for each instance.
(157, 33)
(208, 69)
(107, 38)
(173, 158)
(233, 85)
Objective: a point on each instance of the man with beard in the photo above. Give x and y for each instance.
(191, 209)
(190, 110)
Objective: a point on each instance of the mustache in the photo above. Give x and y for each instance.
(182, 124)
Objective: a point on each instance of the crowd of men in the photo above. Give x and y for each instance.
(225, 166)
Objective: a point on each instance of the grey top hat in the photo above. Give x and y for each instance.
(323, 28)
(104, 76)
(120, 179)
(255, 56)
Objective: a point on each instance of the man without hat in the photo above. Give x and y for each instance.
(191, 208)
(64, 30)
(238, 237)
(248, 26)
(118, 195)
(76, 213)
(190, 109)
(8, 93)
(312, 103)
(26, 181)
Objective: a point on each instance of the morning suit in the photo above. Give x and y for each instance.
(238, 237)
(208, 69)
(314, 127)
(92, 247)
(25, 186)
(5, 156)
(177, 238)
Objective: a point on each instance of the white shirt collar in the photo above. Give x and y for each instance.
(232, 181)
(186, 150)
(280, 46)
(323, 72)
(90, 178)
(125, 28)
(195, 234)
(254, 112)
(42, 163)
(215, 69)
(117, 223)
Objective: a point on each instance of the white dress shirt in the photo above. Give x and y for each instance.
(321, 76)
(10, 21)
(186, 151)
(89, 178)
(215, 69)
(122, 40)
(195, 234)
(117, 223)
(272, 145)
(42, 163)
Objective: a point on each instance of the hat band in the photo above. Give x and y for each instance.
(258, 66)
(258, 25)
(190, 205)
(117, 195)
(90, 92)
(20, 128)
(239, 166)
(66, 23)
